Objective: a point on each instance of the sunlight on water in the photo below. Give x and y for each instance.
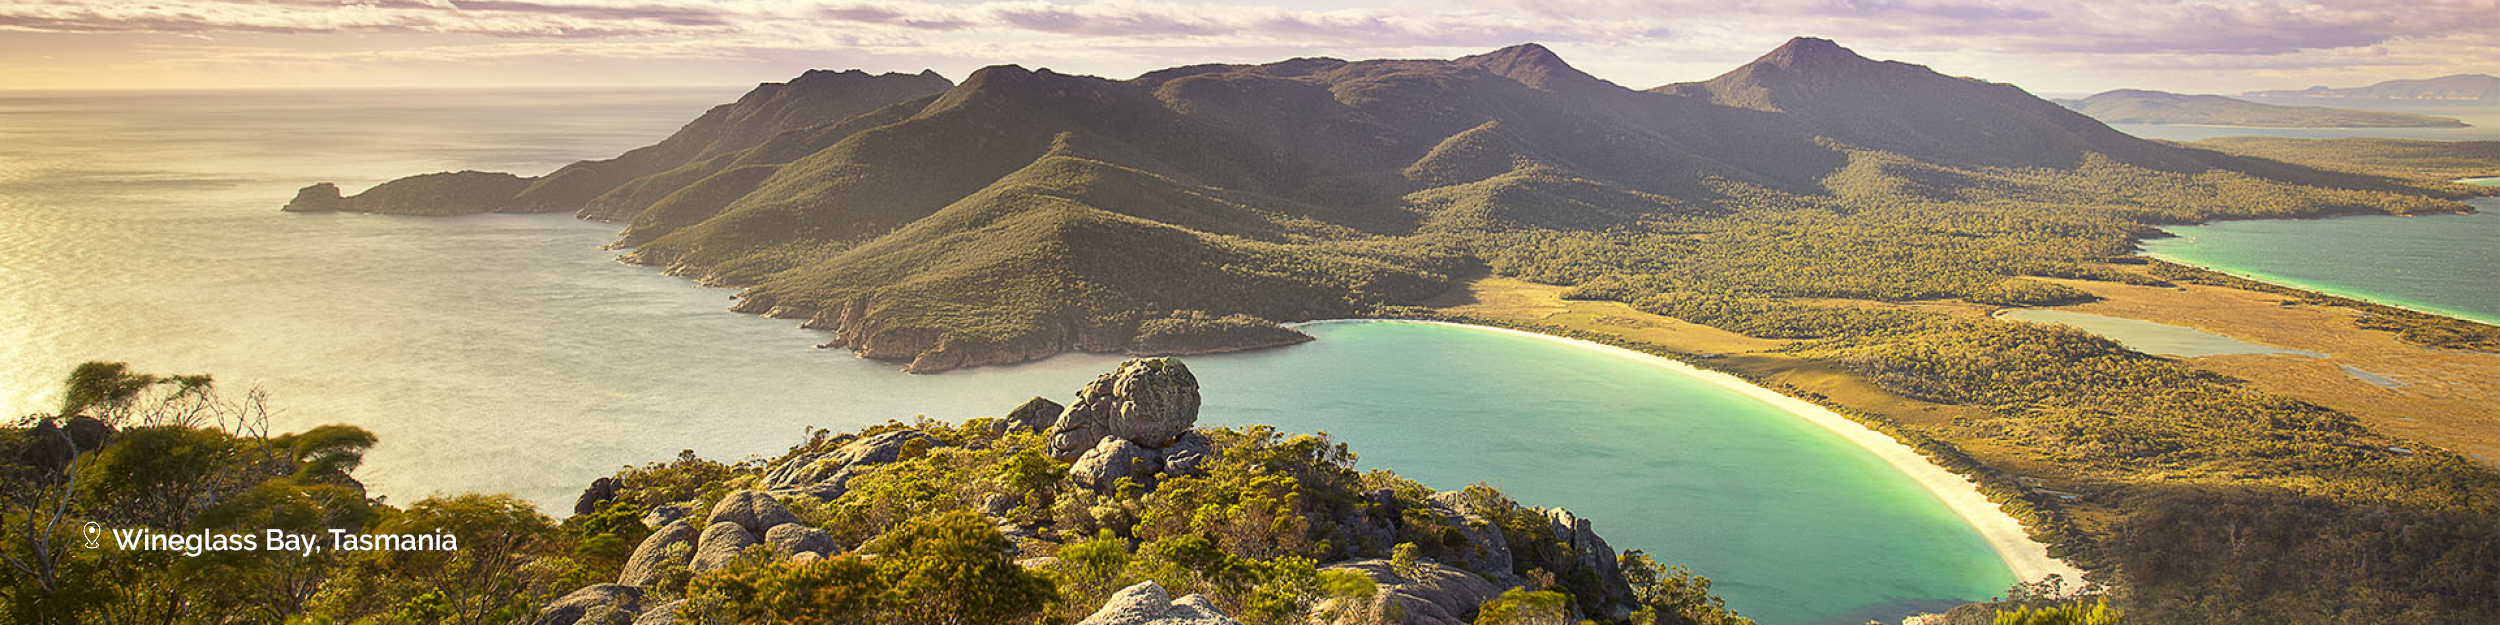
(509, 353)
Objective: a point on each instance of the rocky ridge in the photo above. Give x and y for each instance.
(1138, 424)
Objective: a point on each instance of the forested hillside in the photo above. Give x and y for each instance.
(1025, 212)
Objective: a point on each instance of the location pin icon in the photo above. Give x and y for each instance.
(94, 530)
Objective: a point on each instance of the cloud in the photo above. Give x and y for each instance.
(1639, 42)
(2251, 27)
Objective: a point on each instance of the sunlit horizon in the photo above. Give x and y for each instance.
(2191, 46)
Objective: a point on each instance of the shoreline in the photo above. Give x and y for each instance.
(2027, 559)
(2300, 285)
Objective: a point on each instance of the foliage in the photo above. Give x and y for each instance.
(1519, 606)
(1673, 594)
(2095, 613)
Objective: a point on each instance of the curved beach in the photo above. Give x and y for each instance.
(2027, 559)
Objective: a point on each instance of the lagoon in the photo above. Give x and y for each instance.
(509, 353)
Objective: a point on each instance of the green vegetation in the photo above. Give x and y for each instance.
(2431, 161)
(131, 451)
(1024, 213)
(1250, 533)
(2131, 106)
(2420, 328)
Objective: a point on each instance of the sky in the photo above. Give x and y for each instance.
(2194, 46)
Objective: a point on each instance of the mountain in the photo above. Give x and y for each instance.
(2131, 106)
(1024, 213)
(2458, 87)
(814, 98)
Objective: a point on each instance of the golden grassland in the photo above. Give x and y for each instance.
(2447, 397)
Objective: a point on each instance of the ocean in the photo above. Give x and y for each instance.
(511, 353)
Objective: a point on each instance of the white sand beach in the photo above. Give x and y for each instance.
(2029, 560)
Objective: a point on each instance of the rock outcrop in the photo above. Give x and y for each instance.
(318, 198)
(752, 510)
(1110, 461)
(1137, 422)
(600, 491)
(1435, 594)
(1594, 556)
(672, 544)
(825, 475)
(1149, 401)
(1035, 415)
(446, 193)
(601, 604)
(662, 614)
(1482, 549)
(664, 514)
(720, 543)
(797, 538)
(1148, 604)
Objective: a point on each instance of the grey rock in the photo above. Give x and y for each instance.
(1189, 456)
(999, 504)
(662, 614)
(596, 604)
(720, 543)
(754, 510)
(318, 198)
(1147, 604)
(654, 554)
(1149, 401)
(1111, 459)
(1036, 415)
(1436, 595)
(794, 538)
(805, 557)
(1485, 550)
(666, 513)
(1593, 555)
(825, 475)
(600, 491)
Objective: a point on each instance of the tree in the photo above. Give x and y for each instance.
(952, 569)
(2075, 613)
(1519, 606)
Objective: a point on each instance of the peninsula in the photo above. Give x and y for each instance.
(2457, 87)
(2135, 106)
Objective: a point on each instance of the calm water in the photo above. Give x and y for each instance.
(2446, 264)
(2482, 119)
(510, 354)
(2149, 337)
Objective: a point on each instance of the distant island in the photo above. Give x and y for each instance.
(2134, 106)
(2457, 87)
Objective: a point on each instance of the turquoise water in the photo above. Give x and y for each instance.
(2444, 264)
(2149, 337)
(1794, 524)
(507, 353)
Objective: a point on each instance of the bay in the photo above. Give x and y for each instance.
(2442, 264)
(510, 353)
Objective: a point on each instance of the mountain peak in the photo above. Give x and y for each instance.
(1529, 63)
(1804, 52)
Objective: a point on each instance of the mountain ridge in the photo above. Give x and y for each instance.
(2451, 87)
(2161, 107)
(1023, 213)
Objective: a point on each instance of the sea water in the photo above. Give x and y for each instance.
(510, 353)
(2443, 264)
